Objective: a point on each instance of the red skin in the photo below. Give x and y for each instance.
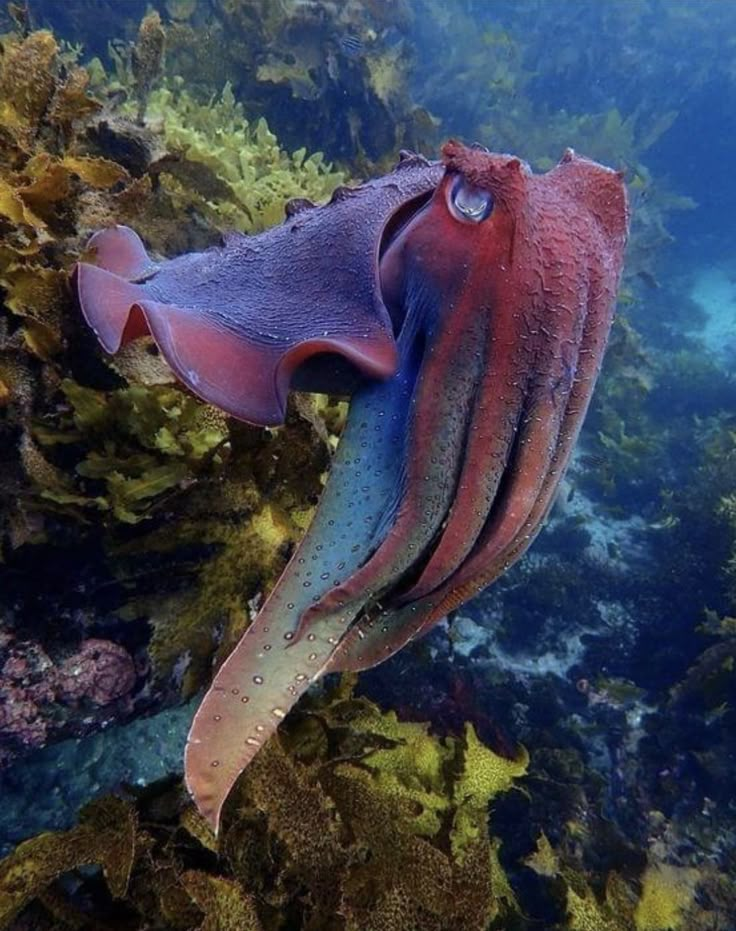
(554, 305)
(515, 305)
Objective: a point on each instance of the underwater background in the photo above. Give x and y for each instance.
(585, 701)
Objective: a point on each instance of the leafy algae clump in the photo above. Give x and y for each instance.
(106, 836)
(141, 442)
(667, 892)
(325, 830)
(183, 517)
(259, 175)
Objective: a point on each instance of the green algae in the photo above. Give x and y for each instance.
(97, 449)
(259, 176)
(667, 893)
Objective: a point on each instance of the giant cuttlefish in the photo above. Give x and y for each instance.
(466, 305)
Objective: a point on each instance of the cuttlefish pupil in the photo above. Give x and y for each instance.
(470, 202)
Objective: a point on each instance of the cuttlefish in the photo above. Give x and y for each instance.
(466, 305)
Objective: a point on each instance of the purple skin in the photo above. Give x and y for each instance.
(466, 305)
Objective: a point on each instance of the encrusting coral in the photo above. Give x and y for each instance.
(33, 687)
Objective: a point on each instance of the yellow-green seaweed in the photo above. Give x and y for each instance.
(260, 177)
(323, 831)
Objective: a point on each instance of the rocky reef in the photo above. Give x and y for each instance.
(140, 528)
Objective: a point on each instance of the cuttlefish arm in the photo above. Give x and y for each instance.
(500, 285)
(552, 325)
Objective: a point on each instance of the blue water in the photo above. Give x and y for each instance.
(623, 584)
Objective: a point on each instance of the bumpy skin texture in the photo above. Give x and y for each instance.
(488, 332)
(235, 322)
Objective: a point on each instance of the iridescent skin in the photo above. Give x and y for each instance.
(477, 298)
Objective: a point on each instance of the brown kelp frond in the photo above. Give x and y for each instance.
(353, 820)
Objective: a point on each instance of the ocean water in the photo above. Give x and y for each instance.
(609, 650)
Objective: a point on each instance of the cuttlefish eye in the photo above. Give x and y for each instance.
(468, 202)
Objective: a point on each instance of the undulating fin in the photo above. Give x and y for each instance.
(238, 321)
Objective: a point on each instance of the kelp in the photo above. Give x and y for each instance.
(44, 183)
(327, 829)
(336, 77)
(667, 893)
(139, 443)
(349, 820)
(111, 459)
(661, 899)
(256, 175)
(501, 87)
(105, 836)
(146, 59)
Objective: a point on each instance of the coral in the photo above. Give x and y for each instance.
(20, 718)
(36, 684)
(25, 690)
(100, 671)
